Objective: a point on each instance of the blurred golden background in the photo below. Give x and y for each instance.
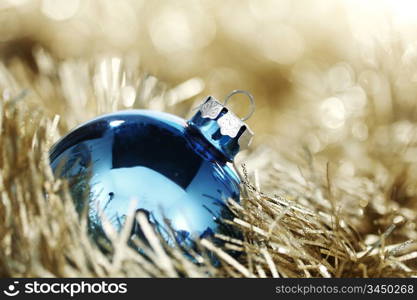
(322, 65)
(308, 63)
(335, 84)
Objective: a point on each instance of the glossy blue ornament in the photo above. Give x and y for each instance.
(177, 172)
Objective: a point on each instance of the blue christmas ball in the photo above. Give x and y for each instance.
(179, 173)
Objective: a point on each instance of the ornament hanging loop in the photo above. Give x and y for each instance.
(251, 100)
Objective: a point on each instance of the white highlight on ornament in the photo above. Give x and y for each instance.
(60, 10)
(333, 113)
(116, 123)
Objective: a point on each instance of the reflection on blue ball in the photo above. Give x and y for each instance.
(155, 160)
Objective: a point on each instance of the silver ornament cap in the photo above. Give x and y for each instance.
(221, 127)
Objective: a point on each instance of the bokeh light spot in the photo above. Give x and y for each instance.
(175, 30)
(60, 10)
(281, 44)
(333, 113)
